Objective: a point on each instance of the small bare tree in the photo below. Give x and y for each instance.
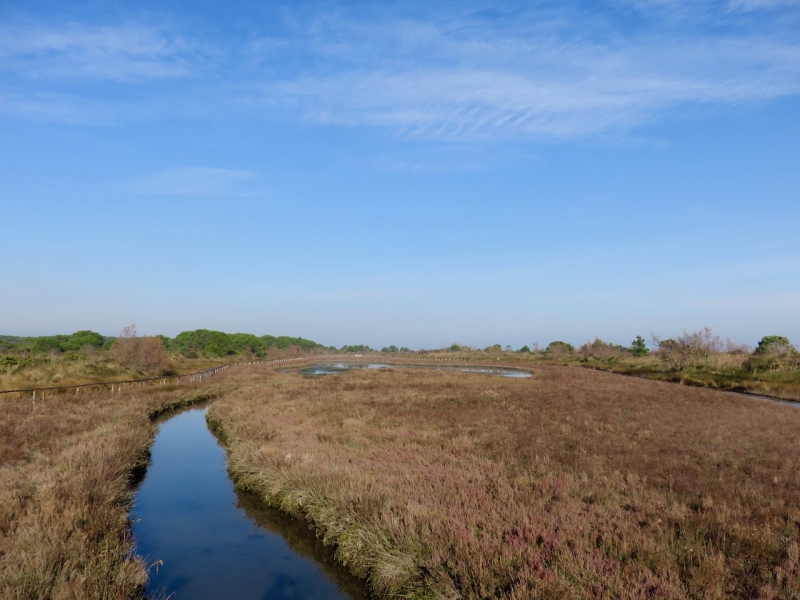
(689, 349)
(599, 349)
(143, 354)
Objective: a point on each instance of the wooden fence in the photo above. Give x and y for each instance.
(118, 386)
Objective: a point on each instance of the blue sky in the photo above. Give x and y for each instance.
(409, 173)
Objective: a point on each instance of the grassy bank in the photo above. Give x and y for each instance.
(66, 467)
(76, 369)
(725, 373)
(572, 484)
(736, 372)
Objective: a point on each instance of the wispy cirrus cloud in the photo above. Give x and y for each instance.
(704, 9)
(448, 81)
(123, 53)
(465, 72)
(749, 5)
(56, 108)
(198, 182)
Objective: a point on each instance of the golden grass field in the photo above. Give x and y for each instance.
(431, 484)
(571, 484)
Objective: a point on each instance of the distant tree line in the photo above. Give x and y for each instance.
(56, 343)
(189, 343)
(394, 348)
(217, 343)
(356, 348)
(689, 350)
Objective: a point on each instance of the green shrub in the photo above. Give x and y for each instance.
(774, 344)
(214, 350)
(234, 343)
(638, 347)
(559, 347)
(81, 339)
(49, 343)
(356, 348)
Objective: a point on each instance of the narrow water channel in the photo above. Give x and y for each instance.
(205, 541)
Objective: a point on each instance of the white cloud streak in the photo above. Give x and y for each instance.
(540, 72)
(748, 5)
(544, 88)
(126, 53)
(198, 182)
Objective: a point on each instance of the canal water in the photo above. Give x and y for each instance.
(205, 541)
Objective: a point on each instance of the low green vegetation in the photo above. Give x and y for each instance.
(639, 347)
(559, 348)
(394, 348)
(199, 341)
(697, 358)
(88, 356)
(217, 343)
(774, 344)
(356, 348)
(80, 340)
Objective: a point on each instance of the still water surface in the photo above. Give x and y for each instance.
(207, 541)
(341, 367)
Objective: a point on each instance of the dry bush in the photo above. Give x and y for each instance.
(572, 484)
(688, 350)
(726, 361)
(789, 361)
(142, 354)
(600, 350)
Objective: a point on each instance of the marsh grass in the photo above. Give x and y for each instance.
(721, 371)
(571, 484)
(40, 371)
(716, 365)
(76, 369)
(66, 472)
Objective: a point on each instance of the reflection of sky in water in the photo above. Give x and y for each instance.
(186, 515)
(336, 368)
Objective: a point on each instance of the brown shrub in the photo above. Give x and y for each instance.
(600, 350)
(142, 354)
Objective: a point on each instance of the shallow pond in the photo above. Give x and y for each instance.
(206, 541)
(341, 367)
